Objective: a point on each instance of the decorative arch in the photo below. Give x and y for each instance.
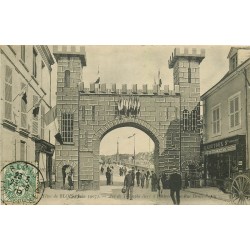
(135, 122)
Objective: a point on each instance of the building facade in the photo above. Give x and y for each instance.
(226, 108)
(171, 118)
(25, 91)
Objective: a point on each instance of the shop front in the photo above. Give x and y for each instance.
(44, 154)
(224, 158)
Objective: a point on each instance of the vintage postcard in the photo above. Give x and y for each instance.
(124, 125)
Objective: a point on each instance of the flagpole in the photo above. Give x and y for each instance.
(20, 93)
(134, 146)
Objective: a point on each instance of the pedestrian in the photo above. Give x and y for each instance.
(133, 173)
(111, 175)
(125, 170)
(108, 176)
(120, 170)
(163, 179)
(153, 181)
(167, 181)
(138, 175)
(147, 178)
(102, 169)
(159, 186)
(64, 174)
(70, 179)
(129, 184)
(175, 187)
(143, 177)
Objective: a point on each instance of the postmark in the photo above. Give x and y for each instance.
(20, 184)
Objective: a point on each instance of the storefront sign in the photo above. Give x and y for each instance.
(223, 144)
(220, 150)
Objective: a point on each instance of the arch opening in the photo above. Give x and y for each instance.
(126, 146)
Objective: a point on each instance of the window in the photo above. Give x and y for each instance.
(234, 111)
(23, 108)
(34, 63)
(67, 127)
(67, 78)
(23, 53)
(234, 62)
(189, 72)
(194, 119)
(93, 113)
(216, 126)
(8, 93)
(83, 113)
(185, 119)
(23, 151)
(189, 75)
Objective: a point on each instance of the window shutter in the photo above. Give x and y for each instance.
(42, 121)
(231, 106)
(23, 111)
(35, 118)
(8, 93)
(237, 119)
(231, 121)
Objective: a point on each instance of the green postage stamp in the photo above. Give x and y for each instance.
(20, 184)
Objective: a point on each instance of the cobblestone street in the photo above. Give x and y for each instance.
(111, 195)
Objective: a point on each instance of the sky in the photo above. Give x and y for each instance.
(140, 65)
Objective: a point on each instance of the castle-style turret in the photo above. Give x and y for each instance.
(186, 71)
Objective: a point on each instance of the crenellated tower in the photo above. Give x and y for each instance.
(186, 72)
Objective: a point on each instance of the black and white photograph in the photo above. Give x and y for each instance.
(124, 124)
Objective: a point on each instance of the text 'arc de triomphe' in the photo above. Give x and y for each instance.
(171, 118)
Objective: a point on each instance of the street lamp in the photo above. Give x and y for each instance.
(134, 146)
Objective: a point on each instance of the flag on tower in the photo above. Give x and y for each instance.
(159, 78)
(160, 83)
(98, 80)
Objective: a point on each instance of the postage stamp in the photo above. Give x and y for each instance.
(20, 184)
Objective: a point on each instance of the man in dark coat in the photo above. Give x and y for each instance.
(129, 184)
(153, 181)
(175, 187)
(108, 176)
(138, 176)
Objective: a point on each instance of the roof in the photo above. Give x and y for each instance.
(236, 48)
(225, 77)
